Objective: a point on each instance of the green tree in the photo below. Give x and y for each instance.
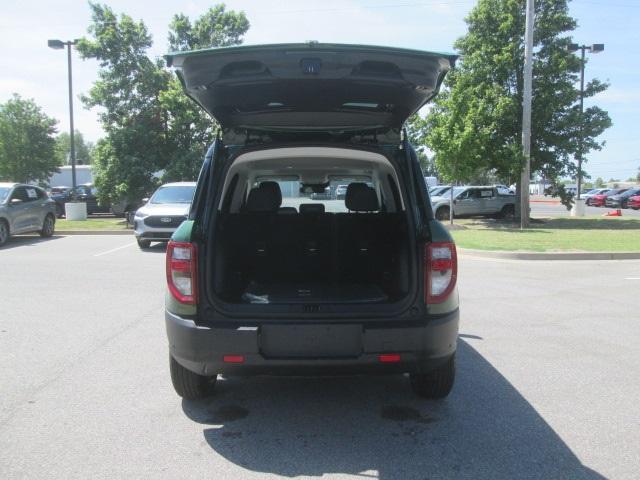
(84, 150)
(638, 175)
(27, 144)
(599, 183)
(150, 125)
(475, 124)
(127, 91)
(215, 28)
(190, 128)
(417, 133)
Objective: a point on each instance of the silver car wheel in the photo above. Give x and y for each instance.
(4, 232)
(48, 226)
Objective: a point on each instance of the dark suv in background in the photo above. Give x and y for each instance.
(265, 279)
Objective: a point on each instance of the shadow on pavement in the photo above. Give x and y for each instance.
(16, 241)
(374, 427)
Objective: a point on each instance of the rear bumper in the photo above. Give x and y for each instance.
(421, 349)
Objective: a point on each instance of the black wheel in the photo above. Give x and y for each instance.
(48, 226)
(143, 244)
(507, 212)
(189, 385)
(437, 383)
(4, 232)
(588, 202)
(442, 213)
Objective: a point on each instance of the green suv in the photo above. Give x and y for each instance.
(272, 272)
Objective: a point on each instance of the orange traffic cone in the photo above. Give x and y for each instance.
(614, 213)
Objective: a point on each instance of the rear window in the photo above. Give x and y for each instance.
(4, 193)
(332, 197)
(174, 194)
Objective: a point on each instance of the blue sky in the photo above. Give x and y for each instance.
(35, 71)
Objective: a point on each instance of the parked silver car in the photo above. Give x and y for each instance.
(163, 213)
(25, 209)
(475, 201)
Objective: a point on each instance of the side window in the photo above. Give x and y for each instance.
(486, 193)
(464, 195)
(31, 194)
(19, 194)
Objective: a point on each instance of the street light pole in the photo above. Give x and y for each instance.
(595, 48)
(72, 149)
(57, 45)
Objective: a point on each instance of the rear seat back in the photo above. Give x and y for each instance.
(364, 235)
(269, 246)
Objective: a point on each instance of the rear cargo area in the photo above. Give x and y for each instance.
(311, 226)
(311, 257)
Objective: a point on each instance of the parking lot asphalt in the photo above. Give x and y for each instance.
(547, 381)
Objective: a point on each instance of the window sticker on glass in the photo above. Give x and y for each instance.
(31, 193)
(486, 193)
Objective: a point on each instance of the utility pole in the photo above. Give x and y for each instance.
(526, 116)
(72, 151)
(595, 48)
(59, 45)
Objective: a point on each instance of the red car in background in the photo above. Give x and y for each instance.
(634, 202)
(599, 200)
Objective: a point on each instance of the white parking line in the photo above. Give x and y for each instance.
(114, 249)
(632, 278)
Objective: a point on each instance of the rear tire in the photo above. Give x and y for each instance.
(143, 244)
(4, 232)
(48, 226)
(435, 384)
(189, 385)
(508, 212)
(442, 213)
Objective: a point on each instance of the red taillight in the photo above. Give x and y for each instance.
(440, 271)
(233, 358)
(389, 358)
(182, 272)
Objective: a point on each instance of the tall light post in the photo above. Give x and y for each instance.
(594, 48)
(59, 45)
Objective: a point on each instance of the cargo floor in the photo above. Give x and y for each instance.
(313, 293)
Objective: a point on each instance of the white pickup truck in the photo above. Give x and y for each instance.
(474, 201)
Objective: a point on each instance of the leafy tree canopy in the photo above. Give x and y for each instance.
(83, 150)
(476, 122)
(151, 125)
(190, 128)
(215, 28)
(417, 133)
(27, 144)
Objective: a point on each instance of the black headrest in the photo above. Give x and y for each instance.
(311, 208)
(360, 197)
(266, 197)
(287, 211)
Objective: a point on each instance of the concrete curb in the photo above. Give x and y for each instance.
(62, 233)
(551, 255)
